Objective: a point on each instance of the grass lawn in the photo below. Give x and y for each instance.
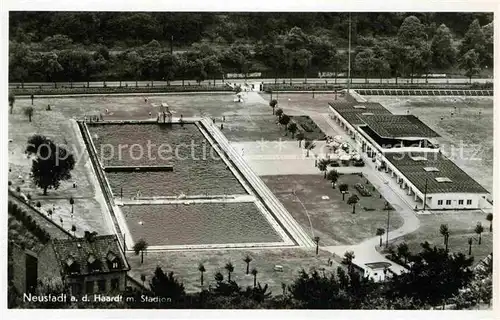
(331, 219)
(461, 226)
(466, 137)
(184, 264)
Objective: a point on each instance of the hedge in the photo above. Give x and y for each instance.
(111, 90)
(28, 222)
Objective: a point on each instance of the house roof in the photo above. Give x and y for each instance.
(351, 111)
(84, 257)
(412, 166)
(397, 126)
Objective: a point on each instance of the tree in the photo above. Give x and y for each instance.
(469, 241)
(52, 163)
(218, 277)
(353, 200)
(303, 58)
(443, 230)
(284, 121)
(323, 166)
(71, 202)
(348, 258)
(229, 268)
(435, 276)
(364, 62)
(247, 260)
(28, 111)
(254, 274)
(474, 39)
(168, 66)
(489, 217)
(443, 51)
(470, 63)
(332, 176)
(403, 251)
(279, 113)
(380, 232)
(292, 127)
(12, 99)
(300, 136)
(316, 240)
(273, 103)
(202, 269)
(343, 188)
(479, 229)
(143, 278)
(411, 31)
(166, 285)
(73, 228)
(139, 247)
(309, 145)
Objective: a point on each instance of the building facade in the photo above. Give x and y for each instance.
(406, 149)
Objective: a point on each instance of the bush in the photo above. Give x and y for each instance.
(359, 163)
(368, 209)
(18, 189)
(345, 163)
(10, 183)
(335, 164)
(28, 196)
(362, 190)
(38, 204)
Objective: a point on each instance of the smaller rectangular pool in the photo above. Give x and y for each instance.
(201, 223)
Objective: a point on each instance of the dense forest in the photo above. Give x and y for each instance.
(85, 46)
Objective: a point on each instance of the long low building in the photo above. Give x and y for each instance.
(406, 148)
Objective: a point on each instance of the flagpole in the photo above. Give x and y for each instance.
(349, 58)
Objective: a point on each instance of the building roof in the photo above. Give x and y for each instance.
(398, 126)
(351, 111)
(82, 256)
(413, 166)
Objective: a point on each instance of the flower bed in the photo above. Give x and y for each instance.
(112, 90)
(309, 128)
(362, 190)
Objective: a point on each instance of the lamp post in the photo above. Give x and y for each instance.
(425, 193)
(388, 208)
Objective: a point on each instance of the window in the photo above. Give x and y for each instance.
(443, 179)
(469, 202)
(115, 265)
(460, 201)
(440, 202)
(115, 283)
(89, 287)
(101, 285)
(448, 202)
(76, 288)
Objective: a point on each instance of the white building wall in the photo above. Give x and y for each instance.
(452, 200)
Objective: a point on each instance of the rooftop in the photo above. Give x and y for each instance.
(83, 256)
(351, 111)
(445, 176)
(398, 126)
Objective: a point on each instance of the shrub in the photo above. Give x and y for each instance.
(18, 189)
(38, 204)
(10, 183)
(345, 162)
(335, 164)
(362, 190)
(28, 196)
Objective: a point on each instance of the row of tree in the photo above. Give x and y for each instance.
(434, 277)
(289, 54)
(30, 224)
(115, 28)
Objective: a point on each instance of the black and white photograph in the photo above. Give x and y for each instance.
(249, 159)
